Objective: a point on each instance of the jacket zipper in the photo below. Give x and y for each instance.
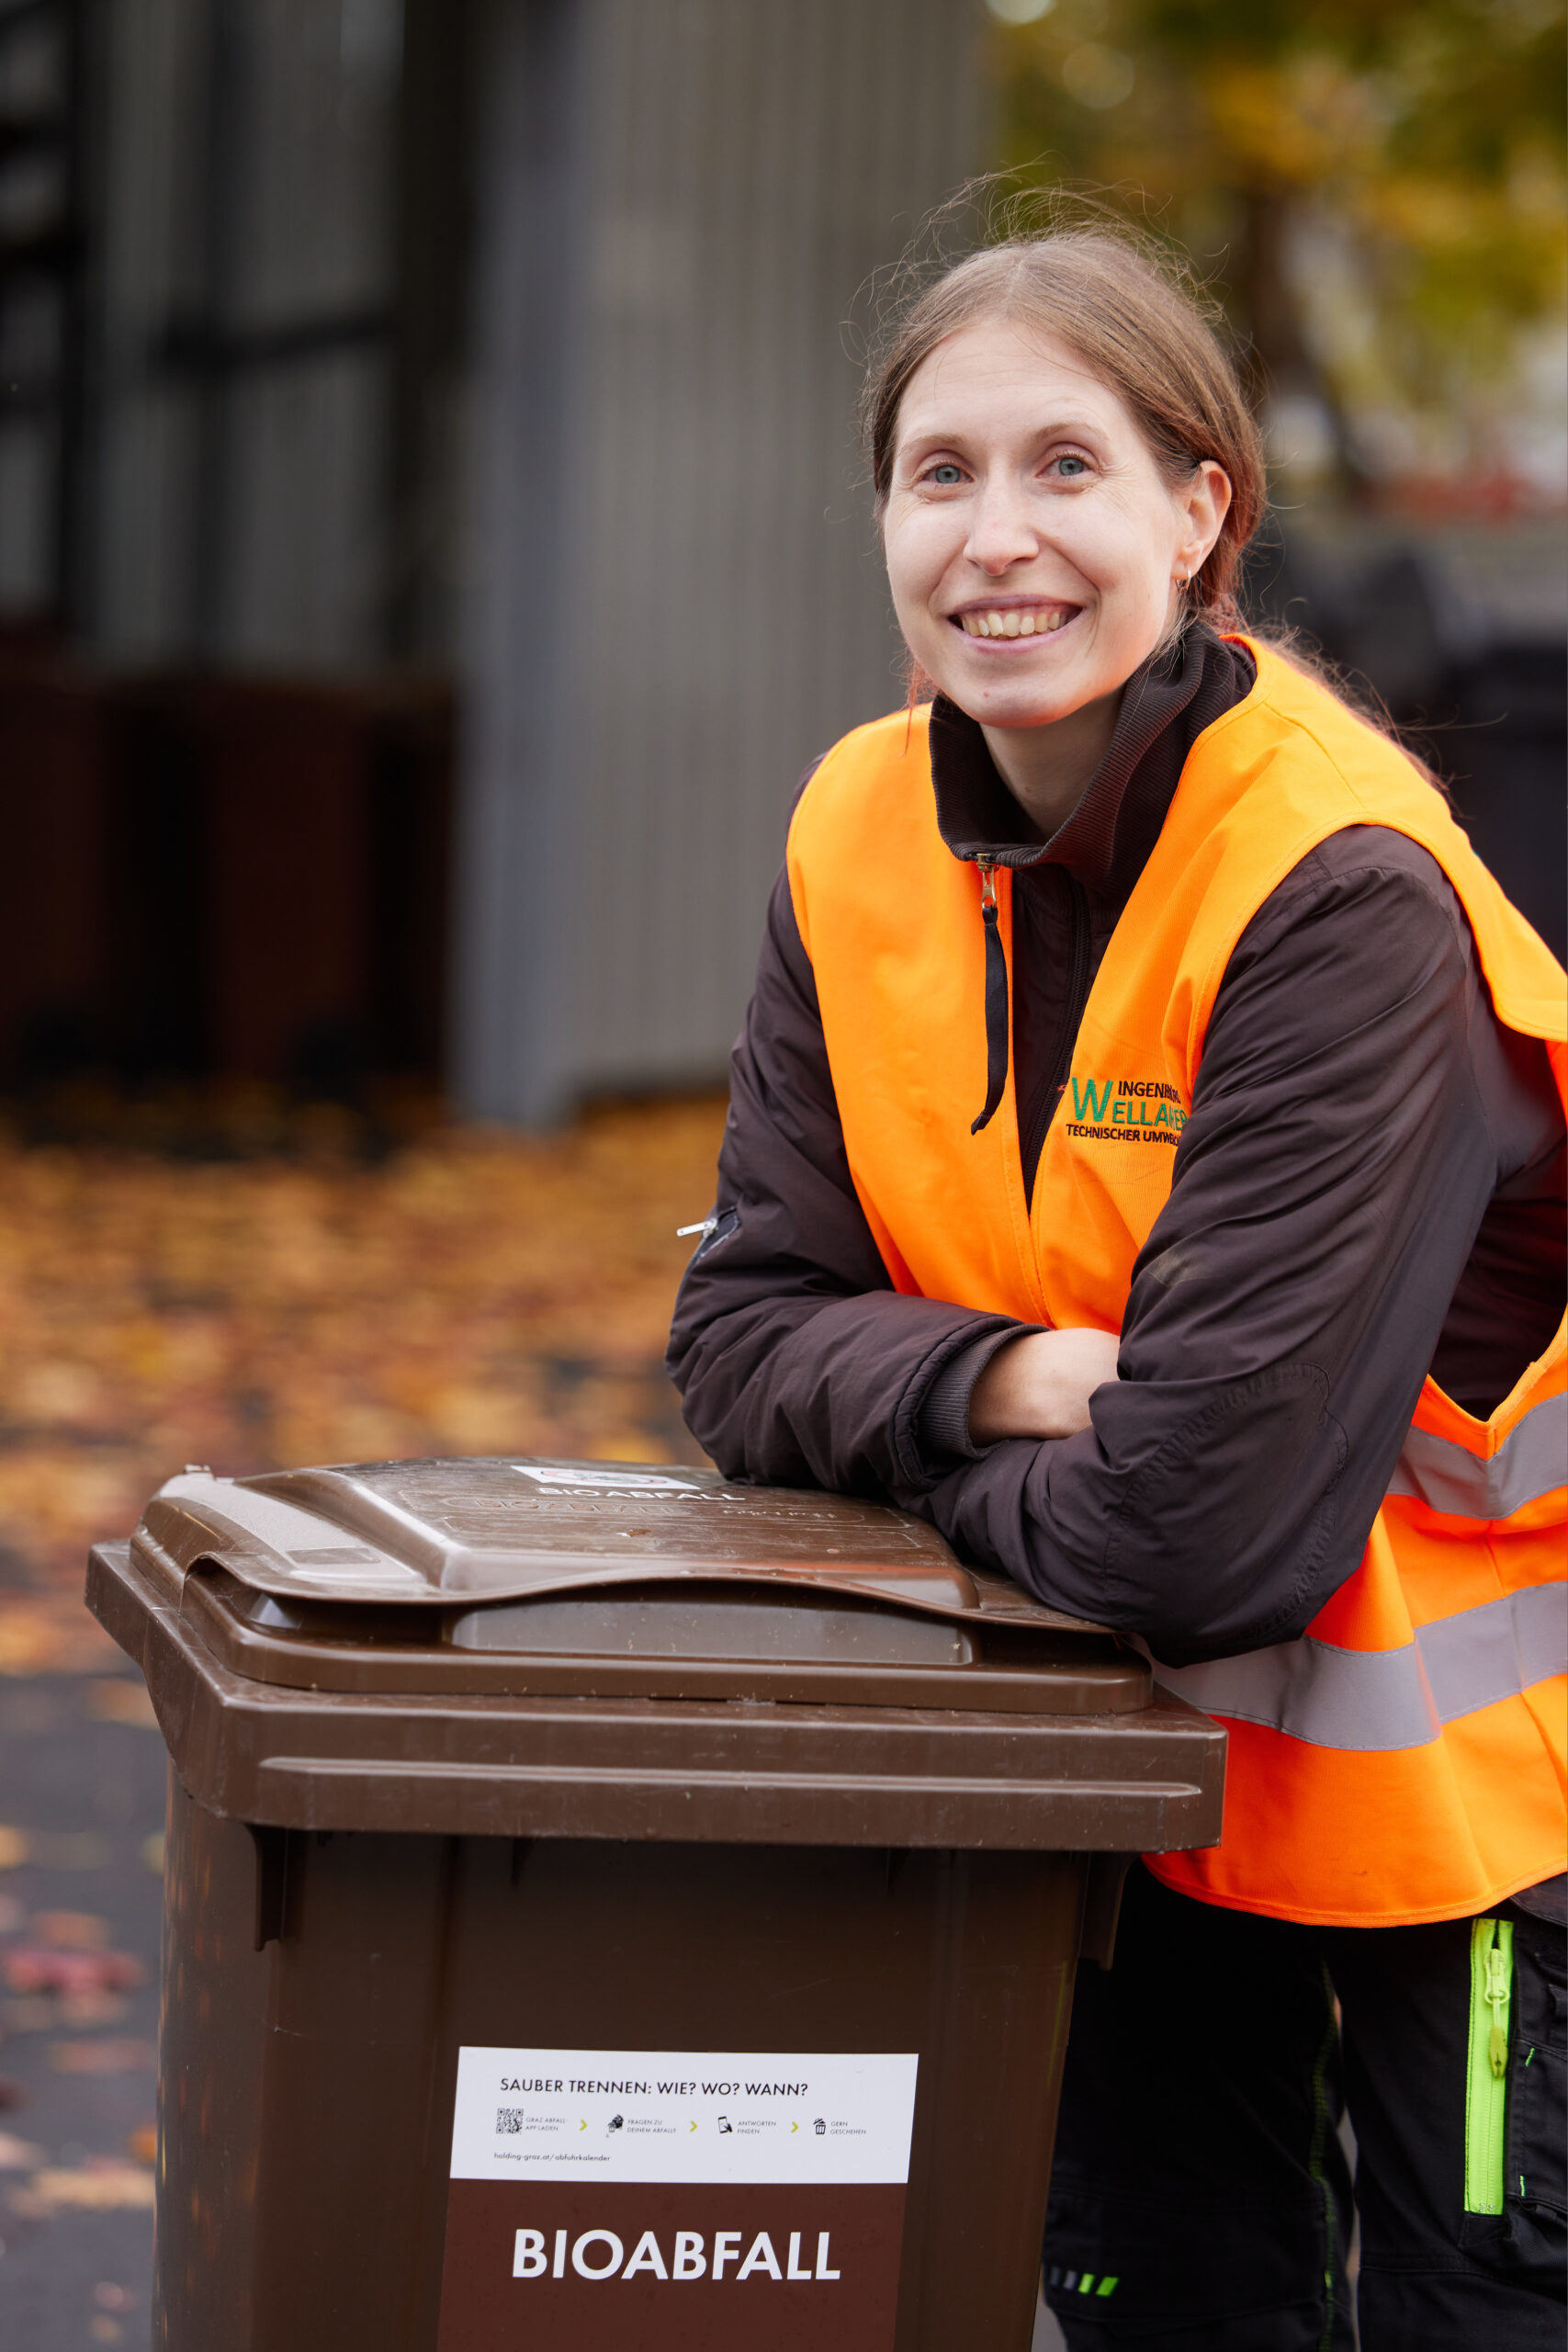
(997, 995)
(1486, 2090)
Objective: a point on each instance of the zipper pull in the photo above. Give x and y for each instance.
(1497, 1999)
(996, 994)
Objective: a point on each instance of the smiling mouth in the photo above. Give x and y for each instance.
(1014, 620)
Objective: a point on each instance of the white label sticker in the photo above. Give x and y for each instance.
(681, 2115)
(606, 1482)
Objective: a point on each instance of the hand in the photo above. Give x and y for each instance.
(1040, 1386)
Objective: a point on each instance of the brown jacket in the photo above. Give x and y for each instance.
(1416, 1221)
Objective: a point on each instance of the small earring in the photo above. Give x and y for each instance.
(1180, 580)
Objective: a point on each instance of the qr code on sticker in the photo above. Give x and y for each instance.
(508, 2119)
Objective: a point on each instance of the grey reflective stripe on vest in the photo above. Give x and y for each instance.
(1370, 1700)
(1532, 1461)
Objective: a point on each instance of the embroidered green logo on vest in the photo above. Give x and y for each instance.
(1125, 1110)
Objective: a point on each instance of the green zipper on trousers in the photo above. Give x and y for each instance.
(1486, 2091)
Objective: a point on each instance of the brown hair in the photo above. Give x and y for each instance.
(1138, 322)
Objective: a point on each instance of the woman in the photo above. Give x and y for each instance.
(1145, 1162)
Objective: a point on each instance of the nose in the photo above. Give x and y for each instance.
(1001, 530)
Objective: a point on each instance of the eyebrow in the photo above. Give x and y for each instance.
(937, 437)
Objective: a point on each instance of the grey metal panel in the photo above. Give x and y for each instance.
(275, 556)
(27, 475)
(152, 171)
(306, 470)
(515, 840)
(715, 614)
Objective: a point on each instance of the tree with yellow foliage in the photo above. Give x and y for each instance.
(1375, 186)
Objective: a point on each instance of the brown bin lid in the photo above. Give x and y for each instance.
(504, 1528)
(517, 1648)
(605, 1579)
(321, 1716)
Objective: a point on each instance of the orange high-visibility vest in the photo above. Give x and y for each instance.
(1403, 1759)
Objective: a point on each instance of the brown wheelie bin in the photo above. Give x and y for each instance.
(607, 1908)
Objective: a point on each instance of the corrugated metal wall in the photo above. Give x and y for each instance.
(676, 599)
(246, 293)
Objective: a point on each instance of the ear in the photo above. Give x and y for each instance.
(1202, 505)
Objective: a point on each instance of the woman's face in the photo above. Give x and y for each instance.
(1032, 540)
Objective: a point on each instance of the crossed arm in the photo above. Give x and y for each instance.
(1208, 1477)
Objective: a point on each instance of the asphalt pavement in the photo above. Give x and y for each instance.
(82, 1781)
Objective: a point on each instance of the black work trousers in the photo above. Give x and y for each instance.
(1198, 2165)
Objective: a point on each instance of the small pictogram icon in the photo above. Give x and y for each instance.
(725, 2125)
(614, 2124)
(819, 2127)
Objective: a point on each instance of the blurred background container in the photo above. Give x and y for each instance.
(432, 537)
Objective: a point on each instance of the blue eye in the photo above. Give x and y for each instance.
(946, 475)
(1072, 465)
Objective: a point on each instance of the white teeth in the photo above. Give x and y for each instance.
(1014, 622)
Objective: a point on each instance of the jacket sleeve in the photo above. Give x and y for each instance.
(1283, 1312)
(797, 1362)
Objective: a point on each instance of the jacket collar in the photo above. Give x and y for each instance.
(1125, 801)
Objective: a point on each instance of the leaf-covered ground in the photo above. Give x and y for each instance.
(473, 1292)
